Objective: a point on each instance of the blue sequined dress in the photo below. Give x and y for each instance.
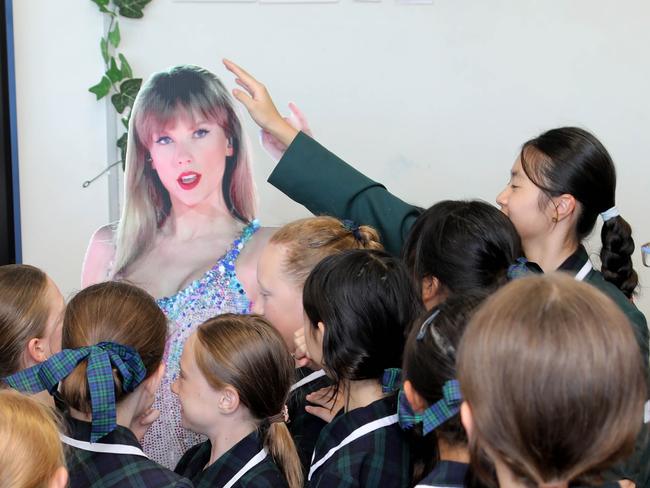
(217, 291)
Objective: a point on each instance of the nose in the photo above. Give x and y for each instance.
(183, 153)
(258, 306)
(502, 198)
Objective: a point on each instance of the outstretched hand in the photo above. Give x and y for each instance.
(272, 144)
(259, 104)
(325, 405)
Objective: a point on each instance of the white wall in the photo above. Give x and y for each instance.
(432, 100)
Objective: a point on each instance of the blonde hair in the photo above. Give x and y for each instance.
(552, 372)
(311, 240)
(115, 312)
(30, 449)
(246, 352)
(23, 313)
(181, 90)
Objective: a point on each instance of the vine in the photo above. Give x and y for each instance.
(118, 80)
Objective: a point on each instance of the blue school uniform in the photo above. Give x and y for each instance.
(446, 474)
(362, 448)
(246, 464)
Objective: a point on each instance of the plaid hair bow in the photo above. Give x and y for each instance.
(391, 380)
(435, 414)
(101, 360)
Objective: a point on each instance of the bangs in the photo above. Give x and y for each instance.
(165, 107)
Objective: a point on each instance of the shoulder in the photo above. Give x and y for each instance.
(99, 256)
(597, 279)
(264, 475)
(185, 465)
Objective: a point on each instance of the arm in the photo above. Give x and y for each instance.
(99, 257)
(311, 175)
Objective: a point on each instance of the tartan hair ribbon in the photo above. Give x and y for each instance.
(353, 227)
(518, 269)
(391, 380)
(101, 360)
(436, 414)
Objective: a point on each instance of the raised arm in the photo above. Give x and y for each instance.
(313, 176)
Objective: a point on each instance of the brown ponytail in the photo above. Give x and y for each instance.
(116, 312)
(247, 353)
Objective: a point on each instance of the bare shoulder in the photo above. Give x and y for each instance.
(99, 256)
(247, 261)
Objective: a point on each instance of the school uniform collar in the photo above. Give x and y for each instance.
(573, 264)
(344, 423)
(306, 376)
(228, 465)
(445, 474)
(81, 430)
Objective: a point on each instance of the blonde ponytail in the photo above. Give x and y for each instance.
(279, 443)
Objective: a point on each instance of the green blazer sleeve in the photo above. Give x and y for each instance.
(318, 179)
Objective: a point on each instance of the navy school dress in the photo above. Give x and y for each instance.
(303, 426)
(362, 448)
(446, 474)
(246, 464)
(116, 460)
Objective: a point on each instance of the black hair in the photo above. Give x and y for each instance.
(367, 301)
(467, 245)
(429, 362)
(572, 160)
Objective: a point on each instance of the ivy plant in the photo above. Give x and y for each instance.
(118, 80)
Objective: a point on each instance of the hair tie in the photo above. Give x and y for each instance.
(610, 213)
(283, 417)
(352, 226)
(391, 380)
(518, 269)
(99, 373)
(435, 414)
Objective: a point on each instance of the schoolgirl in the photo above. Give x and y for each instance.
(31, 314)
(31, 454)
(235, 376)
(284, 265)
(429, 404)
(107, 374)
(552, 382)
(359, 305)
(561, 182)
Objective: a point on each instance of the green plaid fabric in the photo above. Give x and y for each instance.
(101, 360)
(109, 470)
(378, 459)
(264, 475)
(448, 474)
(435, 414)
(391, 380)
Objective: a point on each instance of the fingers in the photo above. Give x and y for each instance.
(244, 98)
(322, 413)
(244, 79)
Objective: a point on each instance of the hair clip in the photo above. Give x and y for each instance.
(425, 324)
(441, 342)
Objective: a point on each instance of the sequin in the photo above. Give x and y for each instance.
(217, 291)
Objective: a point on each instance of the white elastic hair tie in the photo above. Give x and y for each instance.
(610, 214)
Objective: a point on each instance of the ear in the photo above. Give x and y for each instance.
(565, 206)
(152, 383)
(228, 400)
(36, 351)
(321, 332)
(418, 404)
(230, 150)
(432, 292)
(466, 418)
(60, 478)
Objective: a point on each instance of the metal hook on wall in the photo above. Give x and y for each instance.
(87, 183)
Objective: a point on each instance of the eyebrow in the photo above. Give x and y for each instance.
(514, 173)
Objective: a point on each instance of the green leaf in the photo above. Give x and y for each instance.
(114, 73)
(125, 122)
(131, 9)
(102, 4)
(114, 35)
(125, 67)
(102, 88)
(121, 143)
(103, 45)
(128, 91)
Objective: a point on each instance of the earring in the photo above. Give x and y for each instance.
(554, 220)
(148, 158)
